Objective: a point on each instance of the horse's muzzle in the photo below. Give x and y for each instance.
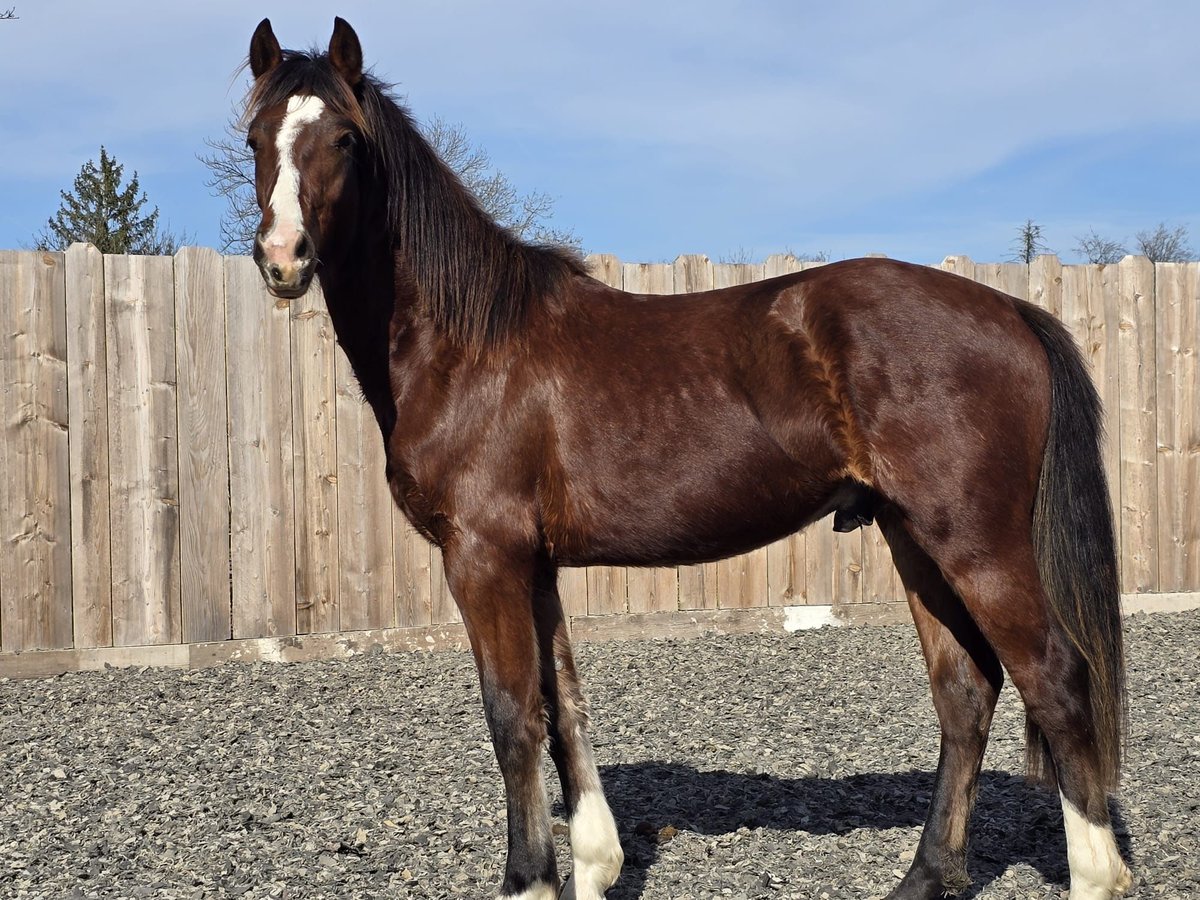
(287, 282)
(287, 273)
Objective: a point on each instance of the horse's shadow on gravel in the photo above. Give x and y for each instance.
(1014, 821)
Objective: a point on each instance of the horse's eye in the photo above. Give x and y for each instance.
(252, 144)
(345, 140)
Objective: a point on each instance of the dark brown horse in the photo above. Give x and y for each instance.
(535, 418)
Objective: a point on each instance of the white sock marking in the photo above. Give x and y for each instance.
(595, 849)
(285, 198)
(1097, 870)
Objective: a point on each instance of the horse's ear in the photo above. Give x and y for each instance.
(345, 52)
(264, 50)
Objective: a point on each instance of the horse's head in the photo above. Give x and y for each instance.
(307, 134)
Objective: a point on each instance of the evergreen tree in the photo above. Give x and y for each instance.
(1028, 243)
(100, 211)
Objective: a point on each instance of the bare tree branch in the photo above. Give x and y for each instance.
(1097, 249)
(1163, 244)
(8, 14)
(231, 175)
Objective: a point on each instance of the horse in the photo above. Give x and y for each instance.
(534, 418)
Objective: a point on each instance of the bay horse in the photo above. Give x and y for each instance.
(535, 418)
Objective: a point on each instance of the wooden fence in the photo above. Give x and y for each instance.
(185, 459)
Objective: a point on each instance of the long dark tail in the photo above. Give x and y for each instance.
(1076, 550)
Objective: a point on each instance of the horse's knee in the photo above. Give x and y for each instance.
(517, 724)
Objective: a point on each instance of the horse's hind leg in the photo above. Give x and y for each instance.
(965, 679)
(1002, 590)
(595, 848)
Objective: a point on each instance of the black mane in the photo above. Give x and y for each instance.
(475, 279)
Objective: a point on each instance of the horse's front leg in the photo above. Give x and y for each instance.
(494, 590)
(595, 847)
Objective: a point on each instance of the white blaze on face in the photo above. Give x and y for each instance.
(285, 199)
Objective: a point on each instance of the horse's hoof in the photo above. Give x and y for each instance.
(569, 892)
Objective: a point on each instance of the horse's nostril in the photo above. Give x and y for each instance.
(302, 247)
(275, 272)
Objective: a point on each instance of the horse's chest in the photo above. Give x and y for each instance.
(418, 503)
(430, 475)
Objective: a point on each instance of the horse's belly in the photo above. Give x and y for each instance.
(695, 508)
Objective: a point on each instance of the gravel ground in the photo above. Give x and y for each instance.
(794, 766)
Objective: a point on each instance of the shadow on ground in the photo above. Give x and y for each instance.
(1014, 821)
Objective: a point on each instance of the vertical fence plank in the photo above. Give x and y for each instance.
(1045, 283)
(87, 390)
(848, 582)
(366, 589)
(698, 583)
(606, 268)
(314, 442)
(1089, 310)
(413, 576)
(881, 583)
(1138, 488)
(203, 446)
(445, 610)
(1178, 355)
(1076, 311)
(1011, 278)
(1100, 294)
(959, 265)
(1104, 299)
(572, 591)
(35, 500)
(648, 278)
(143, 449)
(263, 532)
(607, 588)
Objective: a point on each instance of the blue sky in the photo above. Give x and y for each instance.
(916, 129)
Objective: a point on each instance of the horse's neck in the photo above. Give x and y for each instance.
(361, 303)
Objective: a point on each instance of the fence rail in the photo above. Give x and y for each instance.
(185, 459)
